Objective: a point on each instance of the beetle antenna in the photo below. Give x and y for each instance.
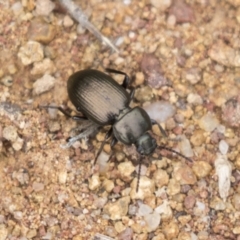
(179, 154)
(139, 172)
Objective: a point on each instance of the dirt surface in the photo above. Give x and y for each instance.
(183, 58)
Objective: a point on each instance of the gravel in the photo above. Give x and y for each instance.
(185, 67)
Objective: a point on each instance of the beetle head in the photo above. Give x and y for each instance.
(146, 144)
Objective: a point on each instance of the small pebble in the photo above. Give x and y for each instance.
(144, 94)
(160, 111)
(143, 209)
(152, 221)
(67, 21)
(125, 170)
(62, 177)
(44, 67)
(94, 182)
(10, 133)
(126, 234)
(44, 7)
(182, 11)
(41, 31)
(185, 147)
(173, 187)
(31, 52)
(151, 68)
(43, 84)
(189, 202)
(37, 187)
(194, 99)
(117, 210)
(208, 122)
(193, 75)
(184, 174)
(223, 147)
(7, 81)
(146, 188)
(171, 230)
(224, 54)
(201, 169)
(161, 178)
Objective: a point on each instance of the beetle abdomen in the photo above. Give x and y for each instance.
(97, 95)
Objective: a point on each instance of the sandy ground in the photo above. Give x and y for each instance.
(184, 55)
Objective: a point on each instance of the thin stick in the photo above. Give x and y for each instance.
(76, 12)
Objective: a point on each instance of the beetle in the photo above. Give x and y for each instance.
(105, 102)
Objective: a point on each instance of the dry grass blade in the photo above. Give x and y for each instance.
(76, 12)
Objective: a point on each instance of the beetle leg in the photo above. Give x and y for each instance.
(154, 122)
(108, 134)
(76, 118)
(132, 92)
(126, 80)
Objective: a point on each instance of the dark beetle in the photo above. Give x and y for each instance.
(103, 101)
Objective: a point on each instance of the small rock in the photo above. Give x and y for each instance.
(43, 84)
(189, 202)
(62, 177)
(173, 187)
(208, 122)
(182, 11)
(152, 221)
(236, 201)
(126, 234)
(139, 78)
(151, 68)
(184, 174)
(67, 21)
(41, 31)
(17, 8)
(108, 185)
(185, 147)
(225, 55)
(194, 99)
(161, 178)
(193, 75)
(223, 147)
(146, 188)
(160, 111)
(44, 7)
(171, 230)
(3, 232)
(126, 169)
(144, 94)
(37, 187)
(44, 67)
(162, 5)
(231, 112)
(10, 133)
(201, 169)
(198, 138)
(117, 210)
(94, 182)
(144, 209)
(17, 145)
(217, 204)
(7, 81)
(31, 233)
(164, 210)
(31, 52)
(53, 126)
(100, 202)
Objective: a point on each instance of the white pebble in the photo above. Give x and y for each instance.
(44, 7)
(208, 122)
(43, 84)
(143, 209)
(223, 147)
(152, 220)
(160, 110)
(67, 21)
(10, 133)
(185, 147)
(194, 99)
(31, 52)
